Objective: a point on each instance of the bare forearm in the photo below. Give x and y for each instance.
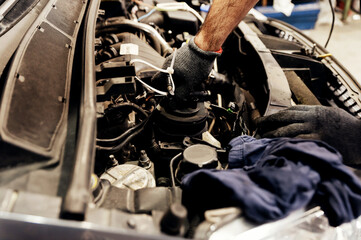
(222, 18)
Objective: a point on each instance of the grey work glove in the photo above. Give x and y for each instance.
(192, 65)
(332, 125)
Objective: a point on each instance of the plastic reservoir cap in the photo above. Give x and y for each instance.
(129, 176)
(200, 155)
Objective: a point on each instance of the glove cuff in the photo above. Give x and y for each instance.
(203, 54)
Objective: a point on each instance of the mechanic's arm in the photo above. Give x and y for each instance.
(194, 60)
(332, 125)
(222, 18)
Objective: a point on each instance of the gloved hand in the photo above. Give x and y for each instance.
(192, 65)
(332, 125)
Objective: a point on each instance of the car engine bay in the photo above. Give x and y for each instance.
(146, 140)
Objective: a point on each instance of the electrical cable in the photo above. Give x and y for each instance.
(332, 24)
(169, 71)
(130, 105)
(120, 137)
(147, 15)
(151, 88)
(149, 64)
(130, 130)
(128, 135)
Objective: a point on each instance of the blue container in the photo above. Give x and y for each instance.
(304, 16)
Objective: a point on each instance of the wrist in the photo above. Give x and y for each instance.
(205, 45)
(204, 53)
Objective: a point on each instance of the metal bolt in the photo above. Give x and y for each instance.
(131, 223)
(61, 99)
(144, 160)
(21, 78)
(113, 161)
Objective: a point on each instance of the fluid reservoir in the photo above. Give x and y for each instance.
(200, 156)
(129, 176)
(195, 157)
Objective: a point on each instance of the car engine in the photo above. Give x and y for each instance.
(146, 139)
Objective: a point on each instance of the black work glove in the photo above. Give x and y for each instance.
(192, 65)
(332, 125)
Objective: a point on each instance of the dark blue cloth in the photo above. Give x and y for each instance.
(269, 178)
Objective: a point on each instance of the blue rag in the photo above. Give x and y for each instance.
(269, 178)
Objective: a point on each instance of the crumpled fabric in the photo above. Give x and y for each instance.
(269, 178)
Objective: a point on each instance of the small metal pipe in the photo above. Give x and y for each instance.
(6, 7)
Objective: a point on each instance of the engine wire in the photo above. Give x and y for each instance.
(127, 136)
(149, 64)
(151, 88)
(169, 71)
(130, 130)
(332, 24)
(147, 14)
